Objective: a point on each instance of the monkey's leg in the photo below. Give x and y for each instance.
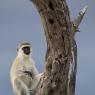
(20, 88)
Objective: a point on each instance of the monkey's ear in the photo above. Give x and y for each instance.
(17, 49)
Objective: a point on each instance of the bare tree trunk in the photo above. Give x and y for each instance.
(61, 56)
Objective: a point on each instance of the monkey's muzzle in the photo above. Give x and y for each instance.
(26, 50)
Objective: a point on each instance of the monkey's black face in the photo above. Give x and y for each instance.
(26, 50)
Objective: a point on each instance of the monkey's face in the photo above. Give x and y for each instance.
(26, 50)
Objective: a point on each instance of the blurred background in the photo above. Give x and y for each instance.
(19, 21)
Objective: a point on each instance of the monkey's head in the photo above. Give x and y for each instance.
(24, 49)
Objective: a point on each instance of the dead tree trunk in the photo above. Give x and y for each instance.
(61, 56)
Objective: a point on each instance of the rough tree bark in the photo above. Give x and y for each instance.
(61, 57)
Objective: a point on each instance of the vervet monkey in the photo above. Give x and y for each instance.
(23, 74)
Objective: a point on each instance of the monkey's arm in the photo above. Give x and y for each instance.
(33, 70)
(35, 82)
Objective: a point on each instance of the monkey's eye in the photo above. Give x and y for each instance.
(26, 50)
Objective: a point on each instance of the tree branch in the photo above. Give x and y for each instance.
(73, 66)
(79, 18)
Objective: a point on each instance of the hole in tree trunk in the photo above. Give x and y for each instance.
(50, 5)
(51, 21)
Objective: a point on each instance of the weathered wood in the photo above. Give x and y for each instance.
(77, 21)
(61, 56)
(73, 69)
